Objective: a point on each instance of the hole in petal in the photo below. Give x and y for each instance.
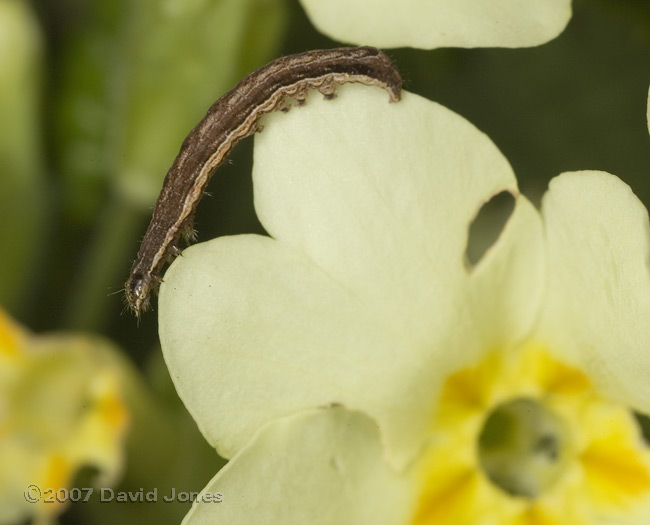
(644, 425)
(488, 225)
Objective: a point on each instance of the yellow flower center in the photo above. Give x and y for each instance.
(523, 439)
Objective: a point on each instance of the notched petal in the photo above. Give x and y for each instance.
(369, 205)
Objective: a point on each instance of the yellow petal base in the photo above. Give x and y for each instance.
(601, 470)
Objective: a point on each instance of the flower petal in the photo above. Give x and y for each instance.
(320, 467)
(598, 298)
(362, 298)
(380, 196)
(253, 331)
(430, 24)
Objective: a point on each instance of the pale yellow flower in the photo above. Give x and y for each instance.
(61, 409)
(358, 370)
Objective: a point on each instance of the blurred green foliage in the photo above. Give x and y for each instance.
(135, 77)
(95, 103)
(21, 158)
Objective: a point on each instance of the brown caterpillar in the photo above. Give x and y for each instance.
(230, 119)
